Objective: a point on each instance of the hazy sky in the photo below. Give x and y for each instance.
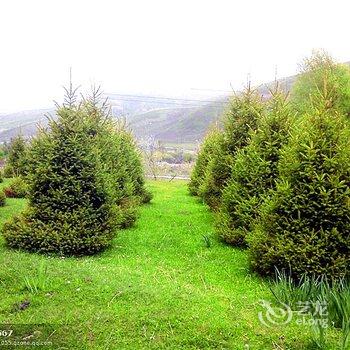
(158, 46)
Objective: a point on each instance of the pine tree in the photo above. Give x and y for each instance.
(134, 165)
(16, 163)
(207, 149)
(254, 172)
(240, 119)
(70, 210)
(124, 175)
(305, 225)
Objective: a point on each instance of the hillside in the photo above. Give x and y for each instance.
(176, 125)
(170, 120)
(24, 122)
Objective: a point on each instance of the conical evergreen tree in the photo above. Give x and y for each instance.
(254, 172)
(124, 175)
(305, 225)
(121, 159)
(133, 165)
(16, 163)
(70, 211)
(240, 119)
(207, 149)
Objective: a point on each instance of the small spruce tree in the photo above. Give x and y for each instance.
(133, 165)
(16, 163)
(240, 119)
(124, 176)
(70, 211)
(118, 152)
(207, 149)
(254, 172)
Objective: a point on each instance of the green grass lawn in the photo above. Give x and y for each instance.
(158, 287)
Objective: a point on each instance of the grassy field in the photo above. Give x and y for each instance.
(162, 285)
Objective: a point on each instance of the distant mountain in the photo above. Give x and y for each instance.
(175, 120)
(24, 123)
(176, 125)
(168, 119)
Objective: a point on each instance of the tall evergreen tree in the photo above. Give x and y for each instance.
(124, 176)
(240, 119)
(305, 225)
(119, 152)
(70, 210)
(254, 172)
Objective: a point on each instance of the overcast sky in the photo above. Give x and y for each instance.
(168, 47)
